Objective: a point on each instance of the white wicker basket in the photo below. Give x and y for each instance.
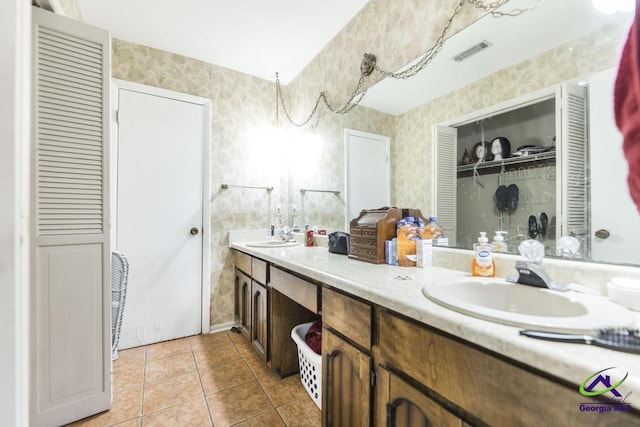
(310, 364)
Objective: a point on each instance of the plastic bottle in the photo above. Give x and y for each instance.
(432, 230)
(483, 264)
(499, 245)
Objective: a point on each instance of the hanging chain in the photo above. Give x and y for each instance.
(344, 109)
(429, 54)
(355, 99)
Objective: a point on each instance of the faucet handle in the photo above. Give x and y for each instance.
(533, 274)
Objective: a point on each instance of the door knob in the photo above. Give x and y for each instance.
(193, 231)
(602, 234)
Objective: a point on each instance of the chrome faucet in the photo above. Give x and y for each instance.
(532, 274)
(286, 234)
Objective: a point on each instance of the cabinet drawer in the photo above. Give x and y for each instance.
(350, 317)
(259, 270)
(355, 231)
(362, 241)
(303, 292)
(370, 232)
(363, 252)
(242, 262)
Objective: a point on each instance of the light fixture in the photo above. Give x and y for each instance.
(612, 6)
(368, 64)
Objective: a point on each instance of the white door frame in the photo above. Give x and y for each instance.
(206, 179)
(387, 141)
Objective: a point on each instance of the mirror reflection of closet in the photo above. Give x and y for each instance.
(539, 194)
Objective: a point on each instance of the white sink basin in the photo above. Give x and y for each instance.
(271, 244)
(529, 307)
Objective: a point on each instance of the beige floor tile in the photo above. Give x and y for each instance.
(168, 348)
(216, 355)
(193, 413)
(282, 390)
(270, 418)
(128, 373)
(170, 392)
(129, 354)
(208, 341)
(171, 366)
(221, 377)
(136, 422)
(126, 406)
(240, 403)
(257, 365)
(241, 342)
(301, 413)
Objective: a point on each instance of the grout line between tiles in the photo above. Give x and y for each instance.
(204, 393)
(144, 384)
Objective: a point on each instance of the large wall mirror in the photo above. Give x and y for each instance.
(560, 42)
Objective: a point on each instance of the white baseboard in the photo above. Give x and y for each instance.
(222, 327)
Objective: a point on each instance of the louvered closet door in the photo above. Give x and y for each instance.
(70, 318)
(572, 154)
(444, 185)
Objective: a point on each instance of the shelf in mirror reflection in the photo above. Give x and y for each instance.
(512, 164)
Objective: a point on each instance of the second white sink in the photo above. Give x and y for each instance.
(529, 307)
(272, 244)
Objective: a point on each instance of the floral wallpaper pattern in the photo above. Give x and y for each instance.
(246, 149)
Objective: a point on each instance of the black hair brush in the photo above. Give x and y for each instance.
(622, 339)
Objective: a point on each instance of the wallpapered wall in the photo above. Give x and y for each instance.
(245, 151)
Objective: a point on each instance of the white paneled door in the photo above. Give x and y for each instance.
(612, 209)
(367, 172)
(162, 138)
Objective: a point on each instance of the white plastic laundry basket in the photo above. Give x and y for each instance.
(310, 364)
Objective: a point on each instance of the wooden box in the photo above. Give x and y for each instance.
(371, 228)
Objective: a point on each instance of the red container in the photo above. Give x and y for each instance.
(309, 237)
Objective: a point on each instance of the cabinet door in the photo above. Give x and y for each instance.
(346, 383)
(259, 318)
(243, 301)
(402, 405)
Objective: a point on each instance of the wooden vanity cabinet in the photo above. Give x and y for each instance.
(251, 300)
(347, 367)
(403, 405)
(259, 307)
(480, 387)
(243, 301)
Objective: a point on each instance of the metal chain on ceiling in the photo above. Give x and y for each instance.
(368, 64)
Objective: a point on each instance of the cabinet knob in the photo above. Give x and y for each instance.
(194, 231)
(602, 233)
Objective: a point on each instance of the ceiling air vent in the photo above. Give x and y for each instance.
(471, 51)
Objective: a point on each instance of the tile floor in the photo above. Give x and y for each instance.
(204, 380)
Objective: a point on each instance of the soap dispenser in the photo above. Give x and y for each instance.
(483, 264)
(499, 245)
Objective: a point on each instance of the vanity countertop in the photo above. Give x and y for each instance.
(400, 289)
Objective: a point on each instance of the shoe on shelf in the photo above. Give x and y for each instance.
(533, 227)
(544, 221)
